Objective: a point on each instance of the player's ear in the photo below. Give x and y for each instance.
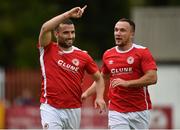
(56, 33)
(132, 34)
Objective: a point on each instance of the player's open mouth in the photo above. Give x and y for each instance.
(118, 39)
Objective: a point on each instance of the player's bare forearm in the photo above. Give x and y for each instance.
(47, 27)
(90, 91)
(54, 22)
(93, 88)
(149, 78)
(99, 87)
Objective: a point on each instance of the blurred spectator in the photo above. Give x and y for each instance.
(26, 98)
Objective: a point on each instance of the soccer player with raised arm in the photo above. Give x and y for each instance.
(63, 67)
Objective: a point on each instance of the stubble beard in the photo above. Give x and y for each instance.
(120, 43)
(65, 45)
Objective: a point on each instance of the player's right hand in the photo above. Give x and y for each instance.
(77, 12)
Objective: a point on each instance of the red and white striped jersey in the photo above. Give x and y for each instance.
(128, 65)
(62, 75)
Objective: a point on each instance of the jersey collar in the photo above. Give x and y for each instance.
(119, 51)
(70, 51)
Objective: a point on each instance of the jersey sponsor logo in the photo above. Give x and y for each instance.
(130, 60)
(67, 66)
(122, 70)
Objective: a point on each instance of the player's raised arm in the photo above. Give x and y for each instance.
(47, 27)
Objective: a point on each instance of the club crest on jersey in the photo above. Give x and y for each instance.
(130, 60)
(75, 62)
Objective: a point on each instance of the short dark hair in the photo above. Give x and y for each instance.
(132, 24)
(66, 21)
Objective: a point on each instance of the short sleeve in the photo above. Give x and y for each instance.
(91, 66)
(104, 68)
(148, 62)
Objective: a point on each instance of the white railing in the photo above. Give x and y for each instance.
(2, 84)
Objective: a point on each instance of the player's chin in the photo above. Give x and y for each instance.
(118, 43)
(70, 43)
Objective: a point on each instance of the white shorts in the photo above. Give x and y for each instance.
(130, 120)
(52, 118)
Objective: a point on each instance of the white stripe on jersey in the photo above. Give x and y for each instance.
(70, 51)
(138, 46)
(145, 97)
(123, 51)
(133, 46)
(75, 48)
(41, 50)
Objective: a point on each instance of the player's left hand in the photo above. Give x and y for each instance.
(119, 82)
(101, 104)
(84, 96)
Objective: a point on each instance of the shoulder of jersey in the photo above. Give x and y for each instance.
(139, 46)
(111, 49)
(77, 49)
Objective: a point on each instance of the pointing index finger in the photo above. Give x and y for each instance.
(84, 7)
